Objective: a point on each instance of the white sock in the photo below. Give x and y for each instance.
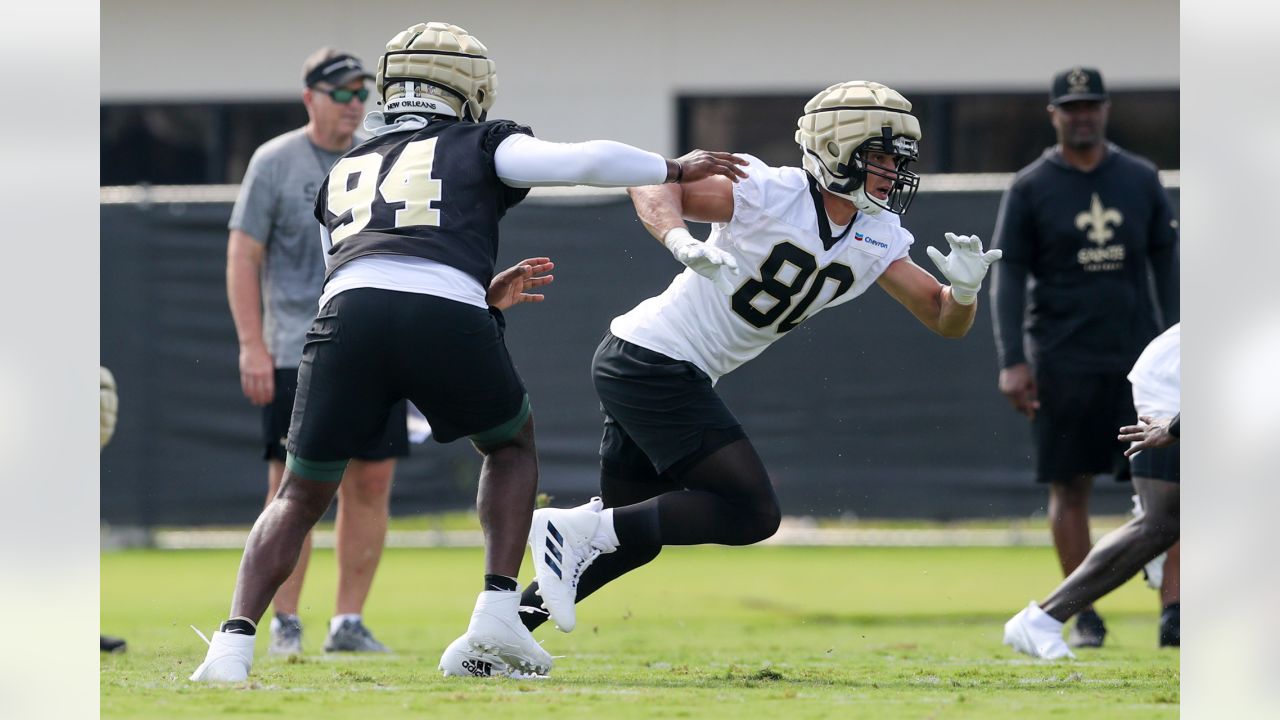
(1043, 620)
(275, 620)
(336, 621)
(606, 538)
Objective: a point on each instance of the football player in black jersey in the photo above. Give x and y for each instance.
(412, 309)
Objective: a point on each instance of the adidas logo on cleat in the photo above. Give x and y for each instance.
(479, 668)
(554, 550)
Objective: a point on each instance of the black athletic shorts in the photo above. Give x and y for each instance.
(661, 416)
(1159, 464)
(369, 348)
(392, 443)
(1075, 429)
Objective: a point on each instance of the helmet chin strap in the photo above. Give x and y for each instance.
(863, 202)
(859, 198)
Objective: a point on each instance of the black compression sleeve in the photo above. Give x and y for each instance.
(1175, 427)
(1008, 300)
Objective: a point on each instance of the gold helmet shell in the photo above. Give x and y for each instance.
(433, 63)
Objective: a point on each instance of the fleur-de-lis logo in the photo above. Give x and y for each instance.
(1078, 81)
(1096, 218)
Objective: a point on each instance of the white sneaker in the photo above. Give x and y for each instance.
(496, 633)
(1034, 632)
(229, 659)
(562, 549)
(286, 635)
(460, 659)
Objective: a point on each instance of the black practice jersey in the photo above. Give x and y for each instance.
(431, 193)
(1086, 240)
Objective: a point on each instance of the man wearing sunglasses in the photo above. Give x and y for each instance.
(275, 273)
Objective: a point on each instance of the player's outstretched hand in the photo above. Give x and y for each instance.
(701, 164)
(718, 266)
(965, 267)
(511, 286)
(1149, 433)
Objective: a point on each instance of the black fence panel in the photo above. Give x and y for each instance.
(860, 411)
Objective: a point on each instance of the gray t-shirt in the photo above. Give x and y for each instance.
(275, 206)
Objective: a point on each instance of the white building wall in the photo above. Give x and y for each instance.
(575, 69)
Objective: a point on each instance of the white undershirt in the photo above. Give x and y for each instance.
(521, 161)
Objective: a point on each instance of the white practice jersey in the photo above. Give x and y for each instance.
(791, 267)
(1157, 376)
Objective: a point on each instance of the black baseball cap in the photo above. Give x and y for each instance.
(334, 67)
(1078, 83)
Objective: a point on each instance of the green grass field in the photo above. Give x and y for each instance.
(778, 632)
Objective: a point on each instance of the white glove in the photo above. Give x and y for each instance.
(710, 262)
(109, 402)
(965, 266)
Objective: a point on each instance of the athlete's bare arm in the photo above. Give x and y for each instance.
(929, 300)
(663, 208)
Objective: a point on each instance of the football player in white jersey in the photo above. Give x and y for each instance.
(676, 466)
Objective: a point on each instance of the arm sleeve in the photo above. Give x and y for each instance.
(256, 201)
(524, 161)
(1009, 277)
(1175, 426)
(1163, 253)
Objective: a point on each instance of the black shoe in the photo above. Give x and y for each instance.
(1170, 626)
(112, 644)
(1089, 630)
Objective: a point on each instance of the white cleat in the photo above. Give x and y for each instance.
(561, 541)
(1034, 632)
(460, 659)
(497, 637)
(229, 659)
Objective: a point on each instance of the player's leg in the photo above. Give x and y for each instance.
(1163, 573)
(360, 532)
(364, 500)
(457, 371)
(286, 626)
(340, 407)
(496, 642)
(627, 477)
(275, 543)
(1120, 554)
(1069, 520)
(673, 414)
(1171, 599)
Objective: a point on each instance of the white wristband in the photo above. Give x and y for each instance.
(677, 237)
(963, 297)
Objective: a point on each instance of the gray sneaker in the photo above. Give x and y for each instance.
(286, 635)
(353, 636)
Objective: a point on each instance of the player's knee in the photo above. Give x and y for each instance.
(1160, 530)
(367, 483)
(761, 523)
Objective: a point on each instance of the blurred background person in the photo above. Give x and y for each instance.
(1080, 227)
(275, 274)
